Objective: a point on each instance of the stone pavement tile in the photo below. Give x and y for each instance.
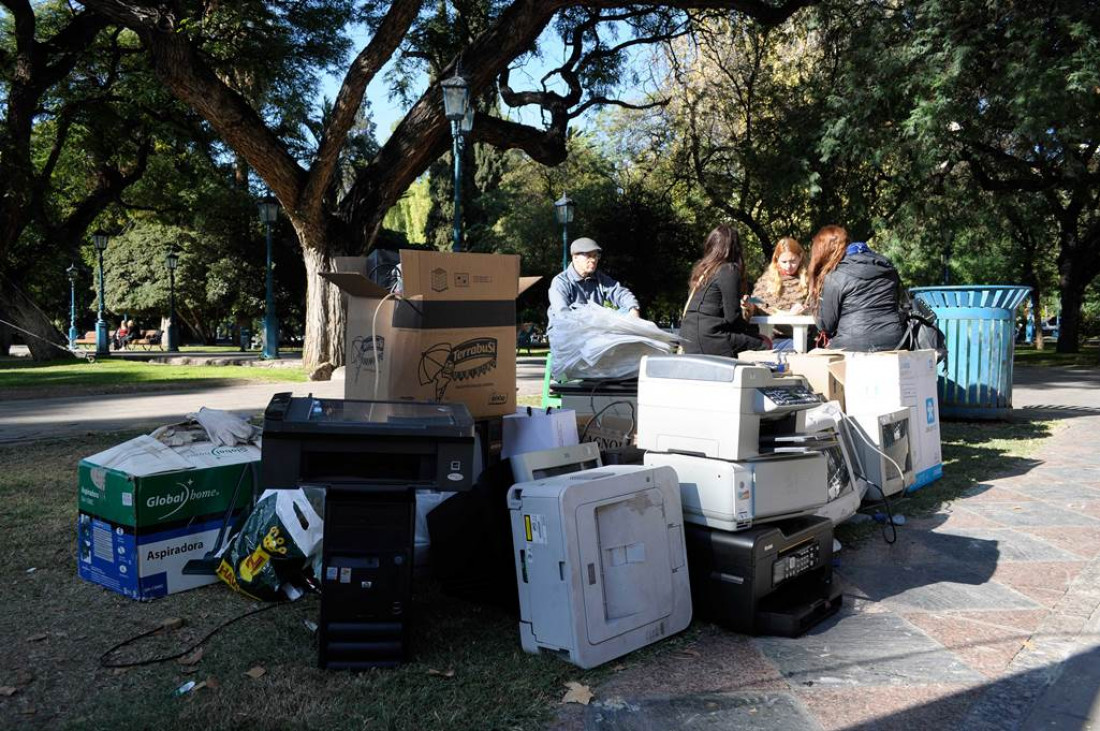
(907, 551)
(985, 647)
(1090, 507)
(974, 544)
(1044, 582)
(864, 650)
(707, 712)
(935, 587)
(1086, 474)
(1060, 493)
(888, 708)
(1034, 513)
(986, 493)
(955, 516)
(1082, 541)
(717, 660)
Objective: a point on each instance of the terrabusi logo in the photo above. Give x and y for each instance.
(443, 363)
(179, 498)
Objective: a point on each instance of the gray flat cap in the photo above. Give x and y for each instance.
(583, 246)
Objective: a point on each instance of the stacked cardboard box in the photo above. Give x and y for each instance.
(146, 509)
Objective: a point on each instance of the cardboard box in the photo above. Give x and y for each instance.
(449, 336)
(146, 509)
(609, 432)
(880, 382)
(813, 366)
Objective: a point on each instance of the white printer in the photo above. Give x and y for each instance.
(600, 561)
(736, 436)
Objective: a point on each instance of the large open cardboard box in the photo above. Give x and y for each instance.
(450, 335)
(816, 367)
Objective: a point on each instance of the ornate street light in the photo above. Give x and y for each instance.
(73, 334)
(269, 214)
(460, 112)
(564, 210)
(172, 260)
(102, 346)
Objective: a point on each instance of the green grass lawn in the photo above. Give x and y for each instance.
(25, 375)
(1089, 355)
(466, 668)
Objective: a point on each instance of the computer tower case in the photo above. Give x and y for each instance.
(775, 579)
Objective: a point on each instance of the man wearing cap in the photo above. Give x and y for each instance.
(580, 283)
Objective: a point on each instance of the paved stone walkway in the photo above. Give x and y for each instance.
(985, 615)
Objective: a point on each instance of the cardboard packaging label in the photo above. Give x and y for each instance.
(448, 335)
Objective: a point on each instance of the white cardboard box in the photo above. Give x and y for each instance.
(878, 382)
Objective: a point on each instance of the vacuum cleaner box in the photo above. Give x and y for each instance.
(896, 379)
(146, 509)
(448, 332)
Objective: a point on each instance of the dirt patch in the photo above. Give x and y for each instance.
(116, 389)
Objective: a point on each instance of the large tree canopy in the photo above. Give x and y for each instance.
(492, 38)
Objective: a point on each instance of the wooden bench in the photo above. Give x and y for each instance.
(89, 338)
(147, 339)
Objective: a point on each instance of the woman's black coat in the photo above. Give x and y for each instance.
(859, 304)
(713, 324)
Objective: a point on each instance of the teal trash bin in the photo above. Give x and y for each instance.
(979, 323)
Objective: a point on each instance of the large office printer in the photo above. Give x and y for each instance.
(736, 435)
(600, 561)
(370, 457)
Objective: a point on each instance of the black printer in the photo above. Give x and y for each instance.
(774, 579)
(370, 457)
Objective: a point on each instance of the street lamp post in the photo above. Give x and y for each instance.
(460, 112)
(102, 346)
(564, 209)
(73, 334)
(269, 214)
(172, 261)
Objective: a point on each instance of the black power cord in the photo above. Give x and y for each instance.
(104, 660)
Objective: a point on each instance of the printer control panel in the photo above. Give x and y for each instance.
(773, 398)
(797, 562)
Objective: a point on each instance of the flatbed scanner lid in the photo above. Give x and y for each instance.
(392, 418)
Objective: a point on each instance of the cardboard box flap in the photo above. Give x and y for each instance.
(355, 284)
(525, 283)
(144, 456)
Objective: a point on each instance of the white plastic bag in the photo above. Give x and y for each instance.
(224, 428)
(589, 341)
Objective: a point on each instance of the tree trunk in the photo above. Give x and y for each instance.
(1070, 323)
(324, 336)
(18, 309)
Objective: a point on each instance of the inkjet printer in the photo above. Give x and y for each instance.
(370, 457)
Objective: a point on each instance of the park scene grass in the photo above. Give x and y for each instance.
(466, 670)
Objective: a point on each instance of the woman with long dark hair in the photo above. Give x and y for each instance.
(857, 293)
(713, 322)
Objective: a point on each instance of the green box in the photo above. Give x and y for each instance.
(146, 509)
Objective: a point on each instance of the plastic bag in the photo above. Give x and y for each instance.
(589, 341)
(224, 428)
(274, 548)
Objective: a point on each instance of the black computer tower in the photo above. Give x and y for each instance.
(367, 560)
(775, 579)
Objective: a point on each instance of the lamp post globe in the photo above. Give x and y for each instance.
(73, 334)
(269, 214)
(564, 210)
(102, 344)
(460, 113)
(172, 261)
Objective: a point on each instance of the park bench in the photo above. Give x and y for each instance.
(89, 338)
(147, 339)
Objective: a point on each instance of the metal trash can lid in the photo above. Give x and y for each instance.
(1006, 296)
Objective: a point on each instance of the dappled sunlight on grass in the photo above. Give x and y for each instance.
(29, 374)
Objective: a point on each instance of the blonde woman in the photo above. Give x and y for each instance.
(785, 283)
(857, 293)
(713, 322)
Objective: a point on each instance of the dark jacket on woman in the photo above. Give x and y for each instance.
(859, 303)
(713, 324)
